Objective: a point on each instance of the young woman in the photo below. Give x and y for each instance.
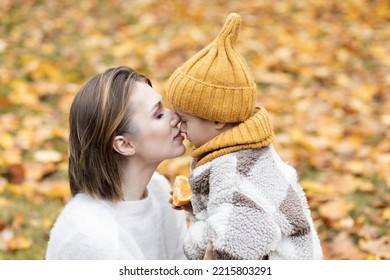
(119, 133)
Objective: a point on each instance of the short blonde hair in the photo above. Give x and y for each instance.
(99, 112)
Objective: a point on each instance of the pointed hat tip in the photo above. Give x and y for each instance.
(231, 27)
(233, 15)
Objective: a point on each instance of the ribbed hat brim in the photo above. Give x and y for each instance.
(208, 101)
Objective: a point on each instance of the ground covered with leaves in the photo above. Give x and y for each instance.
(322, 70)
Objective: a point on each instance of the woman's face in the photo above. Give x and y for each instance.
(158, 137)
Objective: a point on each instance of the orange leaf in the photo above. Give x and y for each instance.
(11, 156)
(343, 248)
(342, 183)
(35, 171)
(377, 247)
(16, 173)
(3, 225)
(19, 243)
(336, 209)
(18, 221)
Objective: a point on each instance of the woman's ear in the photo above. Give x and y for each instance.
(123, 146)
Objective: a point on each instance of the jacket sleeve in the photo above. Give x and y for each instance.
(239, 227)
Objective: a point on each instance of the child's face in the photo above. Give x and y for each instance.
(197, 130)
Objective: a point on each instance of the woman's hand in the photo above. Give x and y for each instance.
(209, 251)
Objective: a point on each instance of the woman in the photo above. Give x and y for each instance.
(119, 133)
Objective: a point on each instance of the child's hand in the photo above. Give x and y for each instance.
(187, 207)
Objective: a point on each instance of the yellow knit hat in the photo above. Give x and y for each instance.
(215, 84)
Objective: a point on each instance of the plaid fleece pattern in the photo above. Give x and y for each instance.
(251, 205)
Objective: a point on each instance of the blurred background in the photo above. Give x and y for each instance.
(322, 70)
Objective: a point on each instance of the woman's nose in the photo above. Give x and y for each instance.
(175, 119)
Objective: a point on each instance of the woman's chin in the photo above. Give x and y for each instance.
(181, 151)
(178, 151)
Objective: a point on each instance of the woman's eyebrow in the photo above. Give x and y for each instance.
(156, 106)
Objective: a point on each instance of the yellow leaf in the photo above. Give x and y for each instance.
(25, 189)
(366, 92)
(6, 140)
(365, 186)
(59, 191)
(23, 94)
(355, 166)
(47, 223)
(123, 49)
(386, 214)
(343, 79)
(360, 220)
(55, 189)
(315, 187)
(5, 202)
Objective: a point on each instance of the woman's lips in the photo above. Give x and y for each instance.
(178, 137)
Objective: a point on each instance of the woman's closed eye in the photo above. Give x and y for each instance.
(159, 110)
(159, 115)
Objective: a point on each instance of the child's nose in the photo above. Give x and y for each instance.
(183, 127)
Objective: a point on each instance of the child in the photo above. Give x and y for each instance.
(245, 198)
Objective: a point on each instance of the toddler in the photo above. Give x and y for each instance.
(245, 198)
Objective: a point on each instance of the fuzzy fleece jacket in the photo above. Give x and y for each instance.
(147, 229)
(251, 205)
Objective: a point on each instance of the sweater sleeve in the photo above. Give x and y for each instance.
(175, 226)
(82, 247)
(239, 227)
(181, 232)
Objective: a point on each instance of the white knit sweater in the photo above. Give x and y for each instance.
(89, 228)
(250, 204)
